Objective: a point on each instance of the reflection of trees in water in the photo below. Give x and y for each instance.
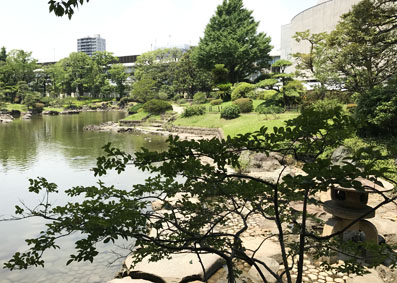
(22, 141)
(18, 143)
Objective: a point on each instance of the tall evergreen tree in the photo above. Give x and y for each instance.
(231, 38)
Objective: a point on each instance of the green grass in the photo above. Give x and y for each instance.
(244, 124)
(58, 109)
(19, 107)
(137, 116)
(216, 108)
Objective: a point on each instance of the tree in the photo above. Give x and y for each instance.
(18, 69)
(189, 78)
(210, 196)
(160, 66)
(364, 45)
(316, 64)
(3, 54)
(78, 73)
(60, 8)
(119, 77)
(288, 90)
(100, 76)
(144, 89)
(231, 38)
(377, 110)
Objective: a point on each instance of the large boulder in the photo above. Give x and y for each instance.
(6, 118)
(265, 249)
(372, 277)
(128, 280)
(180, 267)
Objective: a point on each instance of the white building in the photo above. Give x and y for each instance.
(89, 45)
(323, 17)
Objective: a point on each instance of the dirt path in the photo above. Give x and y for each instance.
(177, 109)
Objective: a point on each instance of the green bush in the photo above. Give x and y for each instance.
(38, 107)
(264, 108)
(123, 101)
(242, 90)
(47, 101)
(135, 108)
(181, 101)
(376, 110)
(245, 105)
(157, 106)
(193, 111)
(324, 105)
(268, 94)
(200, 97)
(230, 112)
(216, 102)
(71, 106)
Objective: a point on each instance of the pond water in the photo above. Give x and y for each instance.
(58, 149)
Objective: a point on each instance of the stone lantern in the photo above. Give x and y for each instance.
(348, 204)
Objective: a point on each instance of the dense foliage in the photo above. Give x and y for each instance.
(193, 111)
(230, 112)
(135, 108)
(377, 110)
(231, 38)
(200, 97)
(245, 105)
(157, 106)
(265, 108)
(242, 90)
(216, 102)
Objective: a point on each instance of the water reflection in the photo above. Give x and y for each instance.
(58, 149)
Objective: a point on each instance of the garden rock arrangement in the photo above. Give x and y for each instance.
(6, 118)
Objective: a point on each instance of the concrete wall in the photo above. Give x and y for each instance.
(322, 17)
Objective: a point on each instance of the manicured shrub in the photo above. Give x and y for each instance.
(216, 102)
(264, 108)
(242, 90)
(157, 106)
(245, 105)
(230, 112)
(135, 108)
(193, 111)
(200, 97)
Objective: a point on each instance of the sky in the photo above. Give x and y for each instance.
(130, 27)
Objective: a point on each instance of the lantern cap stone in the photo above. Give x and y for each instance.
(369, 186)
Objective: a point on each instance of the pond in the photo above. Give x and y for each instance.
(57, 148)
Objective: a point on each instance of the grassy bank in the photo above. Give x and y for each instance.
(241, 125)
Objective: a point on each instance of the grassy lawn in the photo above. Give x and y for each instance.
(244, 124)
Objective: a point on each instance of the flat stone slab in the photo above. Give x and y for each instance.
(180, 266)
(128, 280)
(266, 249)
